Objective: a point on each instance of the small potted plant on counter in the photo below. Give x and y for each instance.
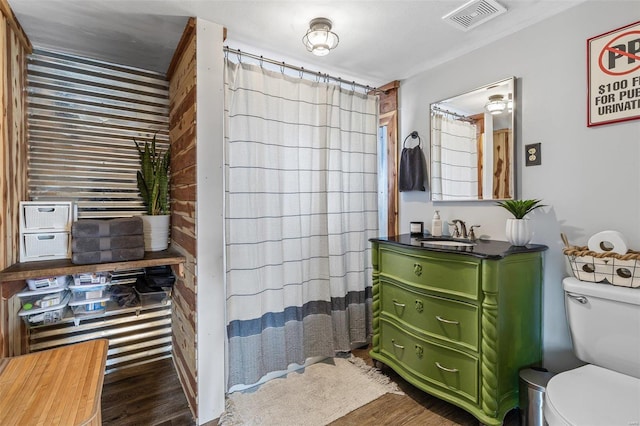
(153, 184)
(517, 231)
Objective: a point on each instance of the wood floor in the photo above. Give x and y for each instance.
(151, 395)
(411, 409)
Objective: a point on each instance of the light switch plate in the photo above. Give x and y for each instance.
(533, 154)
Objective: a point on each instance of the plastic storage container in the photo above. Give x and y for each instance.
(49, 282)
(89, 307)
(151, 296)
(44, 298)
(159, 276)
(126, 276)
(42, 316)
(92, 278)
(81, 293)
(158, 296)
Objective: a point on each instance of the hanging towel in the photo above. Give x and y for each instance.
(412, 174)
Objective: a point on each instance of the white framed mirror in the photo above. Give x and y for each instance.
(472, 144)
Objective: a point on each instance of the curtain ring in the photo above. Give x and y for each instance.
(412, 135)
(226, 53)
(301, 72)
(353, 86)
(261, 61)
(239, 55)
(282, 67)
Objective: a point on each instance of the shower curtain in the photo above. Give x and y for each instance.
(454, 151)
(301, 205)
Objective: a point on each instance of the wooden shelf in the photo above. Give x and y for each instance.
(46, 268)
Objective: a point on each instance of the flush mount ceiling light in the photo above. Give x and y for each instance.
(319, 38)
(496, 104)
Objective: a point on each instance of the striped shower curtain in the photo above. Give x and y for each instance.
(454, 153)
(301, 204)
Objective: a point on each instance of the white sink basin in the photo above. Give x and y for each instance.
(449, 243)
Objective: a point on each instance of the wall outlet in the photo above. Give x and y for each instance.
(533, 154)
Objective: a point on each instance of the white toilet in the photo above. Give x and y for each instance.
(605, 330)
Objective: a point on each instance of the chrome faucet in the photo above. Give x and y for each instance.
(472, 234)
(460, 232)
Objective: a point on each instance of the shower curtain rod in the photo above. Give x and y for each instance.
(319, 75)
(454, 114)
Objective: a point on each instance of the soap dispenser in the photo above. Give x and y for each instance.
(436, 225)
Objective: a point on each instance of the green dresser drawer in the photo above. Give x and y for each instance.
(451, 370)
(446, 319)
(455, 275)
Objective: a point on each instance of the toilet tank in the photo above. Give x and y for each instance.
(604, 321)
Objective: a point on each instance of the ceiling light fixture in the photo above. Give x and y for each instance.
(496, 104)
(319, 38)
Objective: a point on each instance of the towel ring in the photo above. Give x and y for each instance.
(412, 135)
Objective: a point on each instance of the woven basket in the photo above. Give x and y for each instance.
(611, 268)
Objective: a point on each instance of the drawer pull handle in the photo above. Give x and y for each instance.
(396, 345)
(401, 305)
(419, 351)
(449, 370)
(419, 306)
(417, 269)
(446, 321)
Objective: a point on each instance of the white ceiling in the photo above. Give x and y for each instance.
(380, 41)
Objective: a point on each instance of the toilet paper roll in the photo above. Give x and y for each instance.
(608, 242)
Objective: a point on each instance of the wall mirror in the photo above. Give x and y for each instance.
(472, 144)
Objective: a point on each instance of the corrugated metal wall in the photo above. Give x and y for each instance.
(83, 116)
(136, 336)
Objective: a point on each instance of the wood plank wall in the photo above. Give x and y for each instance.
(182, 134)
(14, 48)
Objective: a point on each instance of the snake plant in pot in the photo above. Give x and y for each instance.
(153, 184)
(518, 232)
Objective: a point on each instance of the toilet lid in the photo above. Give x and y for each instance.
(592, 396)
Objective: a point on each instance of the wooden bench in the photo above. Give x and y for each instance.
(61, 386)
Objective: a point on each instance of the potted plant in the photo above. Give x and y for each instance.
(517, 231)
(153, 184)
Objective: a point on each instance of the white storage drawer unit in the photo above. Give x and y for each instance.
(45, 230)
(38, 216)
(41, 246)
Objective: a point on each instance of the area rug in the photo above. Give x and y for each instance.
(313, 396)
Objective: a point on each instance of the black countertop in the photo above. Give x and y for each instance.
(485, 249)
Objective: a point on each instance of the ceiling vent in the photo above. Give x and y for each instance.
(474, 13)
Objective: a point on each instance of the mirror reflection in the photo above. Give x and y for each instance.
(472, 141)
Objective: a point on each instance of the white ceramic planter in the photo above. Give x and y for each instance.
(156, 232)
(518, 232)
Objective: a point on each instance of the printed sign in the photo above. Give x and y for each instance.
(613, 67)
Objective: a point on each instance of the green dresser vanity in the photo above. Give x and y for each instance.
(459, 322)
